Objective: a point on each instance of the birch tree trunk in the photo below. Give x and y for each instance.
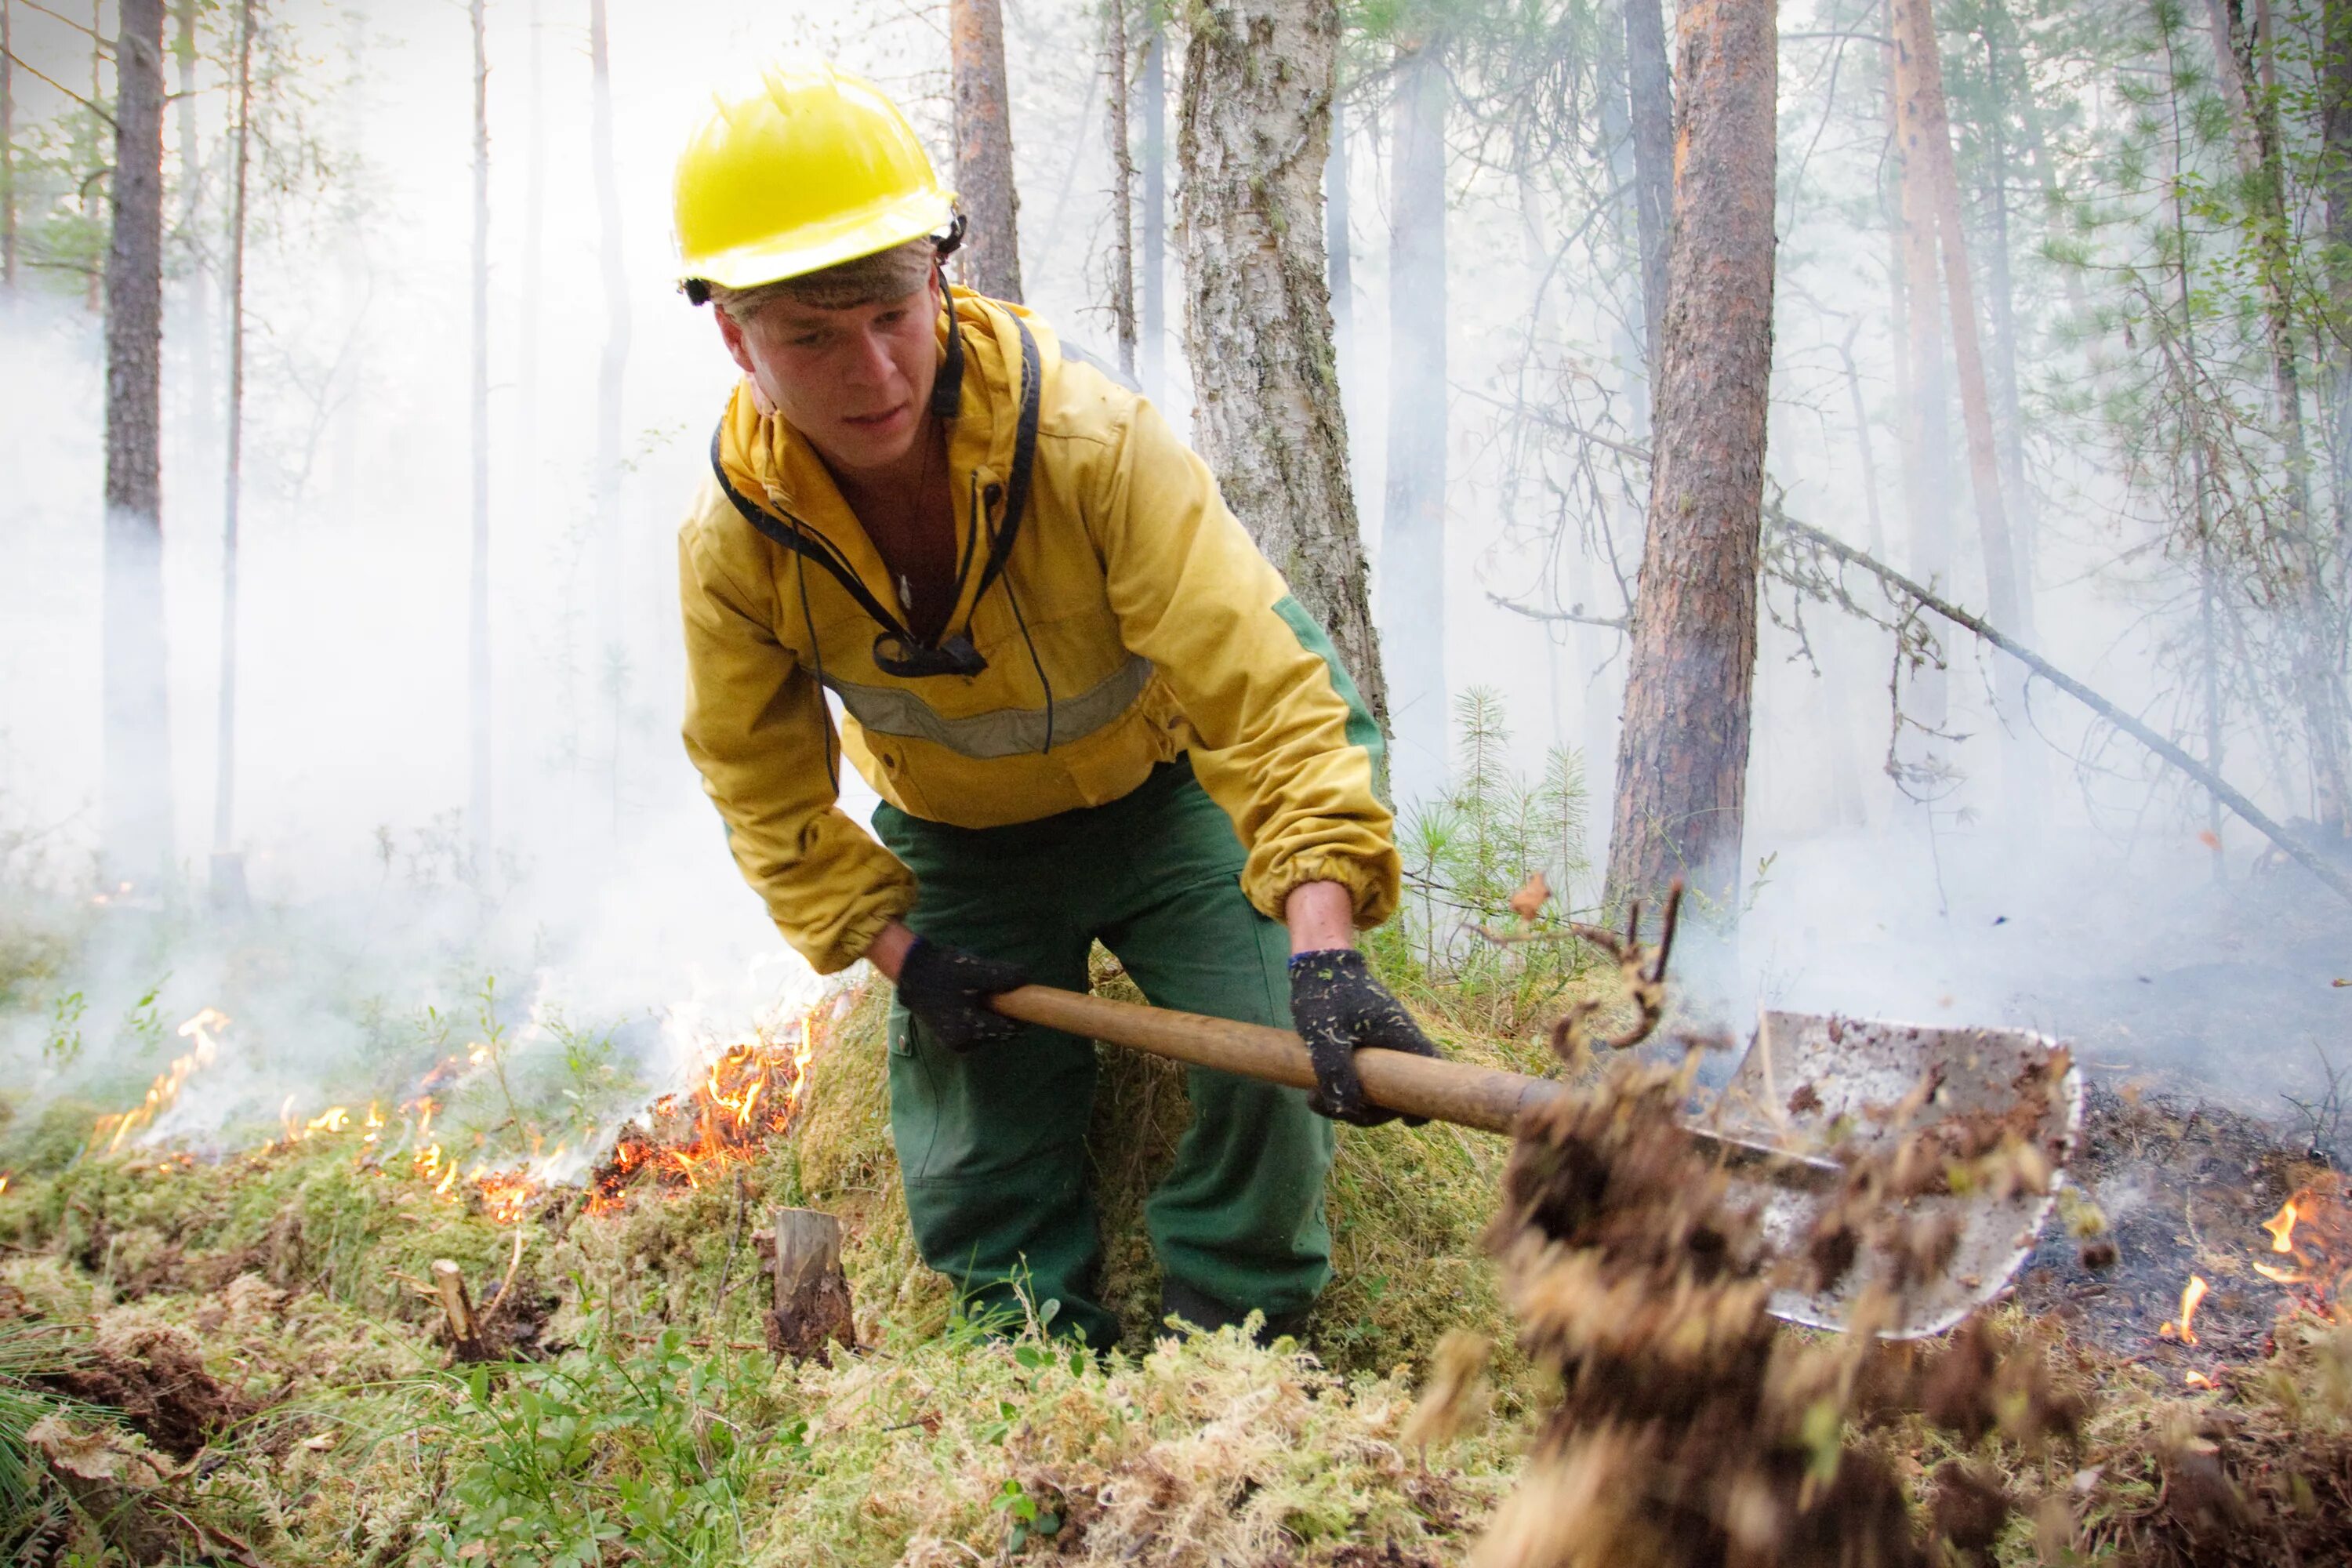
(612, 366)
(1413, 520)
(990, 257)
(1339, 242)
(477, 598)
(1650, 88)
(227, 870)
(1251, 141)
(1682, 757)
(1122, 168)
(138, 743)
(1154, 305)
(2010, 605)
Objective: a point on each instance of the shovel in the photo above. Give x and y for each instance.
(1809, 1089)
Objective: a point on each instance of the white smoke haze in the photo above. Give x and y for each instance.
(608, 914)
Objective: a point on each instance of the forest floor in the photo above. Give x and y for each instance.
(238, 1355)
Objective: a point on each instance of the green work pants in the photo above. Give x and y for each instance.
(992, 1143)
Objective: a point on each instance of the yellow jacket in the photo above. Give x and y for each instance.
(1149, 612)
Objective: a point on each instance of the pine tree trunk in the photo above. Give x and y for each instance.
(2009, 607)
(612, 366)
(94, 281)
(2318, 680)
(8, 145)
(2024, 506)
(138, 743)
(1251, 141)
(990, 257)
(1927, 439)
(200, 433)
(1413, 521)
(2336, 178)
(1682, 758)
(229, 877)
(1122, 168)
(1651, 90)
(477, 598)
(1154, 305)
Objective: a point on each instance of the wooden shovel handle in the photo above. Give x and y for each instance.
(1488, 1099)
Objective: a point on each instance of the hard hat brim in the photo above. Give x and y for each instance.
(813, 249)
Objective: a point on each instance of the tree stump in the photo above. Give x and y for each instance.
(812, 1307)
(467, 1340)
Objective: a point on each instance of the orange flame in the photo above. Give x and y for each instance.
(2282, 1227)
(2191, 1295)
(204, 1028)
(745, 1096)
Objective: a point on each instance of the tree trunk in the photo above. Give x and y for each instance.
(477, 599)
(94, 281)
(1927, 469)
(525, 456)
(1154, 303)
(1251, 141)
(2336, 178)
(200, 436)
(2025, 510)
(1338, 242)
(1682, 758)
(990, 257)
(8, 145)
(1122, 169)
(1869, 456)
(1412, 521)
(610, 367)
(2254, 131)
(138, 741)
(2011, 607)
(1650, 88)
(227, 870)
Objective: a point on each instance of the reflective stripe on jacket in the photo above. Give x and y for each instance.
(1135, 620)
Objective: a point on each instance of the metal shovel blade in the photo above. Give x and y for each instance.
(1823, 1086)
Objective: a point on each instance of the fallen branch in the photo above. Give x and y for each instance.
(2252, 815)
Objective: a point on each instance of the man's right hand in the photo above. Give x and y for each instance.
(948, 990)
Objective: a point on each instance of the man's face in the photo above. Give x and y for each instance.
(855, 382)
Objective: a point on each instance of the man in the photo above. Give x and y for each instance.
(1090, 706)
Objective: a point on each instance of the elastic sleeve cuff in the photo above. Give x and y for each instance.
(1370, 895)
(859, 934)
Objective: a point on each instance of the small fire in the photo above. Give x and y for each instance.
(204, 1028)
(2191, 1295)
(4, 1180)
(2312, 1232)
(745, 1097)
(507, 1194)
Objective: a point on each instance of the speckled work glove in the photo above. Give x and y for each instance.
(949, 989)
(1337, 1007)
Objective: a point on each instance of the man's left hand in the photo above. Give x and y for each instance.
(1338, 1007)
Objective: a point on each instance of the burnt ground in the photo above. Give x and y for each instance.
(2184, 1185)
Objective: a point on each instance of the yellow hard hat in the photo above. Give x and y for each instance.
(805, 168)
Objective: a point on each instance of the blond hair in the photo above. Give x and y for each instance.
(885, 275)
